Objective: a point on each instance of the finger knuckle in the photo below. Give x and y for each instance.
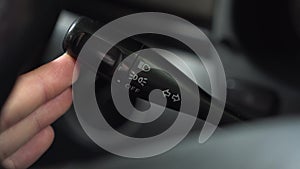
(37, 122)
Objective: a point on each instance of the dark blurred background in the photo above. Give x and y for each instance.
(258, 42)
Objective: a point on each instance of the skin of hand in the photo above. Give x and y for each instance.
(38, 99)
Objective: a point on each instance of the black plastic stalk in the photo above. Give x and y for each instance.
(83, 28)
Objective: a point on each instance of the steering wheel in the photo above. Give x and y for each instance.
(25, 28)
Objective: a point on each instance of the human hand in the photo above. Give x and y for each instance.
(37, 100)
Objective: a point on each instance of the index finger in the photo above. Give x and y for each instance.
(35, 88)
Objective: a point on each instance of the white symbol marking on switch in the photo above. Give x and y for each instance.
(133, 76)
(142, 81)
(167, 93)
(175, 98)
(143, 66)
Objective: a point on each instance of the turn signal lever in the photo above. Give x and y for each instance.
(140, 74)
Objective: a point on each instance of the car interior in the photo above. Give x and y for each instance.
(258, 43)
